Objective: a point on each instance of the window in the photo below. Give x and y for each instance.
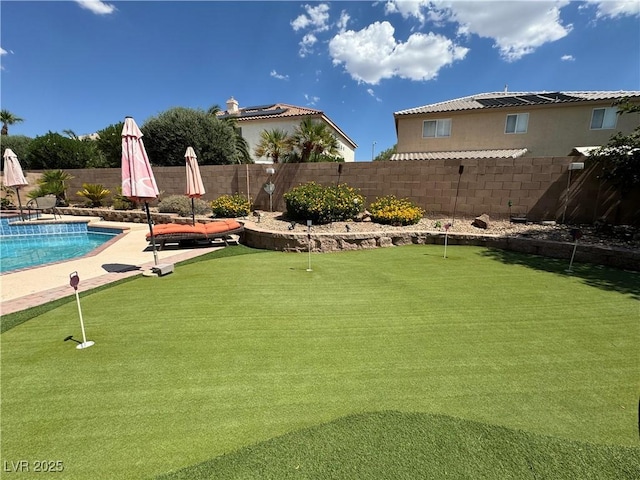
(517, 123)
(603, 118)
(436, 128)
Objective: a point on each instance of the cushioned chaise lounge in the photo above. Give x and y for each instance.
(200, 232)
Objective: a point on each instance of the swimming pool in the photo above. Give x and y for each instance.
(30, 245)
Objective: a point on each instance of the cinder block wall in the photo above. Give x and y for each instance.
(536, 187)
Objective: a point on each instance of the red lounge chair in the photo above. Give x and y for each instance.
(200, 232)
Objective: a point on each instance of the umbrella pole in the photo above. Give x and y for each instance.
(193, 211)
(19, 203)
(153, 240)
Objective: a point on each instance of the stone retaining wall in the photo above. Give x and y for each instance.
(327, 242)
(255, 237)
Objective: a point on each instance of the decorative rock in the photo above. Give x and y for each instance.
(482, 221)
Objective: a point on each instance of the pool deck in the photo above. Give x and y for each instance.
(127, 256)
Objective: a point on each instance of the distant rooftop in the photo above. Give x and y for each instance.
(269, 111)
(276, 110)
(514, 99)
(461, 154)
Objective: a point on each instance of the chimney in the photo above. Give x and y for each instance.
(232, 106)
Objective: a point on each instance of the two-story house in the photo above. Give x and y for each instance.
(512, 125)
(252, 121)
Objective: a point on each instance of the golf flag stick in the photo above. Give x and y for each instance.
(309, 242)
(576, 234)
(74, 281)
(446, 234)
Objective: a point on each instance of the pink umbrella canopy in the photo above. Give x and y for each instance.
(138, 182)
(195, 188)
(13, 176)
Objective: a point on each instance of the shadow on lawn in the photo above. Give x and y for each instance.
(621, 281)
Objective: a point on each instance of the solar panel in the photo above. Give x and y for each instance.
(261, 113)
(259, 107)
(532, 99)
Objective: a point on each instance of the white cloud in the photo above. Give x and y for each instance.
(306, 44)
(373, 94)
(3, 51)
(96, 6)
(373, 54)
(315, 18)
(342, 22)
(616, 8)
(517, 28)
(279, 76)
(567, 58)
(311, 100)
(407, 8)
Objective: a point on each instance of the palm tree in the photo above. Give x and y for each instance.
(274, 144)
(313, 139)
(7, 118)
(52, 182)
(214, 109)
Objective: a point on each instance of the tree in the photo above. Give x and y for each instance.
(109, 143)
(20, 146)
(620, 156)
(313, 141)
(275, 144)
(55, 151)
(620, 160)
(7, 118)
(167, 136)
(386, 154)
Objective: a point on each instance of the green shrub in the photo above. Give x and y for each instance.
(390, 210)
(323, 204)
(231, 206)
(94, 192)
(123, 203)
(181, 205)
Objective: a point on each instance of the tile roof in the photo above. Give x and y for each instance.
(281, 110)
(274, 110)
(461, 155)
(510, 99)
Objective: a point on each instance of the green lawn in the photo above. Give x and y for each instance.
(226, 354)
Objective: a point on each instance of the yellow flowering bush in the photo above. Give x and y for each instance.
(390, 210)
(231, 206)
(323, 204)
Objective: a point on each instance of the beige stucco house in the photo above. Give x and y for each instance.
(512, 125)
(254, 120)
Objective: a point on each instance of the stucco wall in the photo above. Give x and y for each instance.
(537, 187)
(552, 131)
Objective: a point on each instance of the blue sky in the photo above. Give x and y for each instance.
(84, 65)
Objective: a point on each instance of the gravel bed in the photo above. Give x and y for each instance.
(626, 238)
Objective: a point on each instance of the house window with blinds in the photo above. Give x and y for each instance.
(517, 123)
(436, 128)
(604, 118)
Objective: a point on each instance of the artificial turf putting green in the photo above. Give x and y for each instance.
(228, 352)
(400, 445)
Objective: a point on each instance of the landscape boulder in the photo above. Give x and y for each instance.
(482, 221)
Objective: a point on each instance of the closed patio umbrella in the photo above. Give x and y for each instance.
(13, 176)
(138, 182)
(195, 188)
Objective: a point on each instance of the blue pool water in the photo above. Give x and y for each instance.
(35, 245)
